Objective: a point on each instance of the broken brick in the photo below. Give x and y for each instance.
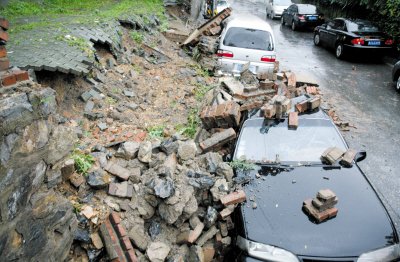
(331, 155)
(209, 252)
(314, 103)
(302, 106)
(21, 75)
(3, 35)
(115, 218)
(126, 243)
(120, 189)
(4, 24)
(227, 211)
(268, 111)
(76, 179)
(117, 170)
(218, 139)
(326, 195)
(291, 80)
(322, 206)
(293, 120)
(96, 240)
(194, 234)
(4, 64)
(312, 90)
(131, 256)
(8, 79)
(234, 198)
(319, 216)
(3, 51)
(348, 157)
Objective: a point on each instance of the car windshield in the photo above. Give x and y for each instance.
(283, 2)
(248, 38)
(307, 9)
(306, 144)
(361, 26)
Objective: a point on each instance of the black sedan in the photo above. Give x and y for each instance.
(272, 226)
(396, 75)
(302, 16)
(347, 36)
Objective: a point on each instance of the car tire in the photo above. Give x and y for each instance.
(272, 15)
(317, 40)
(294, 26)
(339, 51)
(282, 21)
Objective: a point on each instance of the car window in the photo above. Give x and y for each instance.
(248, 38)
(307, 9)
(338, 24)
(361, 26)
(291, 8)
(331, 25)
(306, 144)
(222, 3)
(283, 2)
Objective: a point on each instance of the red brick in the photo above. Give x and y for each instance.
(314, 102)
(111, 232)
(218, 139)
(3, 51)
(312, 90)
(302, 106)
(8, 79)
(3, 35)
(21, 75)
(234, 198)
(291, 80)
(219, 115)
(131, 256)
(4, 64)
(126, 243)
(319, 216)
(120, 230)
(293, 120)
(115, 218)
(4, 23)
(120, 253)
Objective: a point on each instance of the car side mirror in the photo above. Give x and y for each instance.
(360, 156)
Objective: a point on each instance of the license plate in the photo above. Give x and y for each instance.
(312, 18)
(374, 43)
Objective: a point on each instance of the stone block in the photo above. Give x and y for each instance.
(268, 111)
(76, 179)
(348, 157)
(121, 189)
(96, 241)
(234, 198)
(218, 139)
(183, 237)
(332, 154)
(194, 234)
(118, 171)
(207, 236)
(209, 252)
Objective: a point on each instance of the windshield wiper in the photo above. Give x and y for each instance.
(324, 166)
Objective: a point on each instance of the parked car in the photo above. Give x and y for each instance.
(246, 39)
(346, 36)
(287, 171)
(396, 75)
(301, 16)
(275, 8)
(221, 5)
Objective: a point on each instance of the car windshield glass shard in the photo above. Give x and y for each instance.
(306, 144)
(361, 26)
(248, 38)
(307, 9)
(283, 2)
(222, 3)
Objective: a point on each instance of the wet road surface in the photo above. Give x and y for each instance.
(360, 91)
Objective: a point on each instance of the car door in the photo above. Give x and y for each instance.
(291, 11)
(331, 32)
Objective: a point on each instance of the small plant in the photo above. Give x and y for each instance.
(83, 162)
(156, 132)
(77, 207)
(110, 101)
(78, 42)
(137, 37)
(193, 122)
(196, 55)
(200, 71)
(242, 165)
(201, 90)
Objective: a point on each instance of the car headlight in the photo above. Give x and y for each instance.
(265, 252)
(385, 254)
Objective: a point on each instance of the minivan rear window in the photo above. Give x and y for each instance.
(249, 38)
(307, 9)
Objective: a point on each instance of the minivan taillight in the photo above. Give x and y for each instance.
(357, 41)
(224, 53)
(268, 58)
(301, 17)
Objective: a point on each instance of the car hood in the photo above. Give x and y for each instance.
(362, 223)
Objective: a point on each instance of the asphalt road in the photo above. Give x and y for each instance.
(360, 90)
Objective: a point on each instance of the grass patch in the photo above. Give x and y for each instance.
(199, 70)
(137, 37)
(242, 165)
(83, 162)
(78, 42)
(156, 132)
(193, 122)
(110, 101)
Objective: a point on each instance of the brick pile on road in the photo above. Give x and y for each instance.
(8, 76)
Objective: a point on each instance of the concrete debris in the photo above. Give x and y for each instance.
(157, 251)
(348, 158)
(332, 155)
(218, 139)
(123, 189)
(187, 150)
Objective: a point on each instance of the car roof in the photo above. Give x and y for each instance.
(248, 21)
(304, 5)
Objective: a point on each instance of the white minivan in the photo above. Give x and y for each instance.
(275, 7)
(246, 39)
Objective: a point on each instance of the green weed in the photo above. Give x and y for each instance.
(201, 90)
(156, 132)
(137, 37)
(242, 165)
(193, 122)
(78, 42)
(83, 162)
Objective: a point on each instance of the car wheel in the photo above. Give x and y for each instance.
(317, 40)
(398, 84)
(282, 21)
(293, 26)
(339, 51)
(272, 15)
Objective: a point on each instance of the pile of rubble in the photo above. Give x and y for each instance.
(322, 207)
